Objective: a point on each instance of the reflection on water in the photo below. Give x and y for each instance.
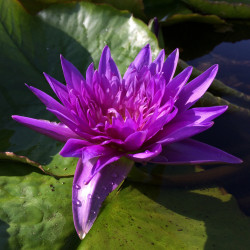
(202, 46)
(234, 62)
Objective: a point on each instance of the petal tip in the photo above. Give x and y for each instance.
(82, 235)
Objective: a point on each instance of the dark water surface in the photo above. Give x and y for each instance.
(203, 45)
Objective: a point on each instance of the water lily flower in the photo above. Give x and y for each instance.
(109, 122)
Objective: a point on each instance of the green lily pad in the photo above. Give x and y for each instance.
(147, 217)
(134, 6)
(35, 208)
(36, 214)
(225, 9)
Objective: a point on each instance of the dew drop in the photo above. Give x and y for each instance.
(93, 212)
(98, 197)
(76, 186)
(105, 188)
(112, 183)
(90, 196)
(77, 203)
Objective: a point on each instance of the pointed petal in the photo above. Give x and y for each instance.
(90, 74)
(87, 199)
(170, 65)
(54, 130)
(174, 87)
(107, 65)
(72, 75)
(156, 66)
(48, 101)
(193, 152)
(144, 58)
(70, 123)
(73, 148)
(59, 88)
(203, 114)
(149, 153)
(195, 89)
(183, 132)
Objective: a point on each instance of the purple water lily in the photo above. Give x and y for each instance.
(110, 122)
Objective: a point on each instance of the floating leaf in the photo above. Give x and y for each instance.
(226, 9)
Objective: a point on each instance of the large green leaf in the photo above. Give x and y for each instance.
(35, 209)
(36, 214)
(143, 217)
(239, 9)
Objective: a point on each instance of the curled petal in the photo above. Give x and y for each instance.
(87, 199)
(74, 147)
(54, 130)
(190, 151)
(95, 157)
(150, 152)
(135, 140)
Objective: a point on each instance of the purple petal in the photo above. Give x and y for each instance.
(54, 130)
(87, 199)
(159, 123)
(156, 66)
(72, 75)
(183, 132)
(144, 58)
(135, 140)
(90, 74)
(73, 148)
(174, 87)
(170, 65)
(203, 114)
(149, 153)
(50, 102)
(70, 123)
(96, 157)
(195, 89)
(107, 65)
(193, 152)
(59, 89)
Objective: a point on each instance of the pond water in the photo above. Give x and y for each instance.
(228, 46)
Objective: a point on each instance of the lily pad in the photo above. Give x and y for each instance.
(134, 6)
(156, 218)
(36, 214)
(225, 9)
(35, 208)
